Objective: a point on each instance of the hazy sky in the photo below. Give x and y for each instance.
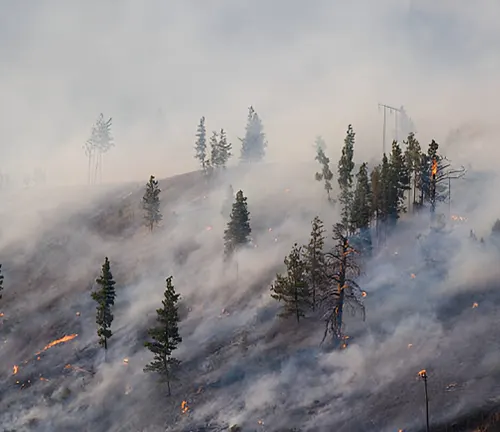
(309, 67)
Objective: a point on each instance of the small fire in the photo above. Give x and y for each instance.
(38, 358)
(458, 218)
(434, 167)
(43, 379)
(184, 407)
(474, 305)
(422, 373)
(363, 293)
(260, 422)
(58, 341)
(410, 345)
(15, 369)
(125, 361)
(1, 314)
(78, 314)
(413, 276)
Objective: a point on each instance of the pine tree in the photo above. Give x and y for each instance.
(105, 298)
(376, 203)
(385, 189)
(343, 290)
(314, 258)
(292, 288)
(254, 144)
(1, 281)
(325, 174)
(151, 203)
(413, 160)
(319, 143)
(201, 144)
(165, 336)
(361, 211)
(214, 150)
(100, 142)
(399, 182)
(238, 229)
(345, 167)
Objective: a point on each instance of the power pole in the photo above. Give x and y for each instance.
(391, 110)
(423, 375)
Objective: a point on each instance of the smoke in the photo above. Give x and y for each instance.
(308, 68)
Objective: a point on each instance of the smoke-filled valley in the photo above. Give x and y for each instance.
(272, 330)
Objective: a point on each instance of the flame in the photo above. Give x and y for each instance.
(458, 218)
(261, 422)
(413, 276)
(125, 361)
(57, 342)
(15, 369)
(434, 167)
(1, 314)
(422, 373)
(78, 314)
(474, 305)
(363, 293)
(43, 379)
(184, 407)
(410, 345)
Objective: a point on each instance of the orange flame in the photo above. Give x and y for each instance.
(413, 276)
(15, 369)
(184, 407)
(474, 305)
(58, 341)
(1, 314)
(43, 379)
(434, 167)
(363, 293)
(422, 373)
(125, 361)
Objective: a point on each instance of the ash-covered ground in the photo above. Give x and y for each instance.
(432, 303)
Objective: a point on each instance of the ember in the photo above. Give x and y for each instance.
(184, 407)
(413, 276)
(474, 305)
(434, 167)
(363, 293)
(15, 369)
(125, 361)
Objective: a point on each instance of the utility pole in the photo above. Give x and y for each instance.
(423, 375)
(391, 110)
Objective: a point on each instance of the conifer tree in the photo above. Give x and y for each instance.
(325, 174)
(105, 298)
(292, 288)
(201, 144)
(413, 160)
(343, 290)
(314, 258)
(319, 143)
(376, 203)
(165, 336)
(254, 143)
(385, 189)
(221, 149)
(345, 167)
(361, 206)
(237, 233)
(1, 281)
(399, 181)
(214, 150)
(151, 203)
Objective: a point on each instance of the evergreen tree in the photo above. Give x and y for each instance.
(399, 181)
(165, 336)
(314, 258)
(100, 142)
(221, 149)
(201, 144)
(385, 189)
(319, 143)
(1, 281)
(151, 203)
(214, 150)
(413, 160)
(343, 290)
(254, 144)
(238, 229)
(292, 288)
(105, 298)
(345, 167)
(325, 174)
(361, 211)
(377, 199)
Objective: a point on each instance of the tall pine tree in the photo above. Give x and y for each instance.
(201, 144)
(399, 181)
(326, 173)
(237, 233)
(361, 210)
(345, 167)
(413, 160)
(151, 203)
(214, 150)
(165, 336)
(221, 149)
(105, 298)
(343, 270)
(292, 288)
(254, 143)
(1, 281)
(314, 258)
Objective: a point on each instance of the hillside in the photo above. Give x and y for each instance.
(240, 364)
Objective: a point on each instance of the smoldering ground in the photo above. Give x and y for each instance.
(242, 365)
